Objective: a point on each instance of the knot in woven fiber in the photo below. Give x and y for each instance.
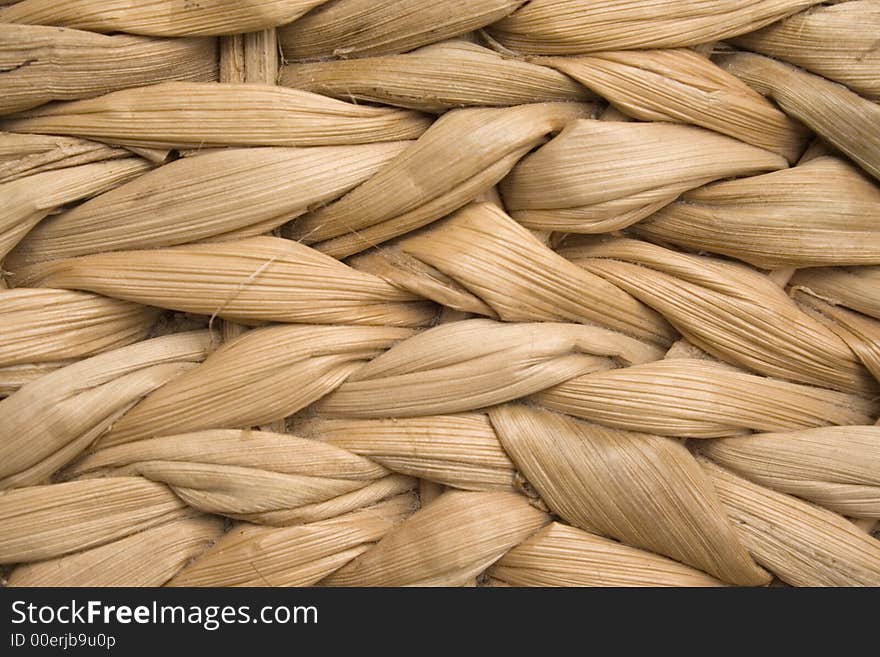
(447, 293)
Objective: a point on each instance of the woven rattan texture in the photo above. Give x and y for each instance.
(439, 293)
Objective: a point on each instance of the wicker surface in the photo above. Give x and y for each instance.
(447, 293)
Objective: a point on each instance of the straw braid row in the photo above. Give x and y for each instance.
(281, 480)
(306, 492)
(609, 319)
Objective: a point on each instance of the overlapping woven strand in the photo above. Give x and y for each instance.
(447, 293)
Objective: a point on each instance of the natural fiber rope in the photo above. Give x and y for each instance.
(310, 333)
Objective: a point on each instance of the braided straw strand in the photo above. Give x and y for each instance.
(439, 293)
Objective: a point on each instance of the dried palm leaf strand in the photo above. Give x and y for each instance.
(248, 58)
(259, 450)
(159, 17)
(43, 325)
(224, 194)
(436, 78)
(252, 279)
(26, 155)
(836, 467)
(13, 377)
(520, 279)
(644, 490)
(832, 111)
(253, 555)
(838, 42)
(411, 274)
(258, 476)
(571, 27)
(41, 64)
(860, 332)
(559, 555)
(461, 450)
(357, 28)
(205, 114)
(43, 522)
(599, 176)
(802, 544)
(265, 375)
(26, 201)
(729, 311)
(472, 364)
(854, 287)
(148, 558)
(251, 57)
(50, 421)
(447, 543)
(698, 399)
(284, 511)
(815, 214)
(684, 87)
(464, 153)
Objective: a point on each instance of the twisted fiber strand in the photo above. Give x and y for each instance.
(160, 17)
(820, 41)
(541, 433)
(64, 64)
(698, 295)
(329, 466)
(820, 104)
(461, 155)
(347, 27)
(436, 77)
(198, 115)
(860, 332)
(835, 467)
(24, 155)
(598, 176)
(53, 418)
(183, 201)
(28, 200)
(682, 86)
(240, 474)
(812, 215)
(416, 355)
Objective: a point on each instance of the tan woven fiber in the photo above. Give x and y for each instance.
(162, 18)
(564, 27)
(311, 176)
(24, 155)
(838, 115)
(28, 200)
(820, 213)
(43, 63)
(441, 76)
(439, 293)
(823, 41)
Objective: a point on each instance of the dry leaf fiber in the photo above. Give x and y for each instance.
(571, 27)
(823, 41)
(42, 64)
(439, 293)
(199, 115)
(435, 78)
(162, 17)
